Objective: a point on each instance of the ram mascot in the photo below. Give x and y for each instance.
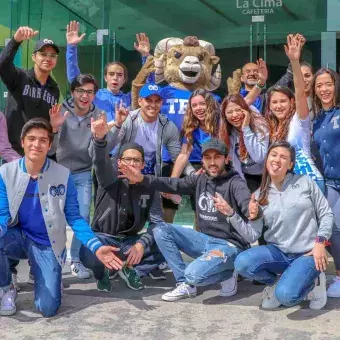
(185, 65)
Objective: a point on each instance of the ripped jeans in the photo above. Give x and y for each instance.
(214, 257)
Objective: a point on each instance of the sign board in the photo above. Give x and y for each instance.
(100, 35)
(257, 18)
(258, 7)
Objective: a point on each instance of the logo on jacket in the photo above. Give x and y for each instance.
(206, 203)
(143, 200)
(57, 191)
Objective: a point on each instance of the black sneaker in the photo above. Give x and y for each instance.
(157, 274)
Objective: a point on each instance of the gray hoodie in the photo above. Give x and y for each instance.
(72, 142)
(293, 217)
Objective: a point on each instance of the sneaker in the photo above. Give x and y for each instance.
(8, 302)
(77, 269)
(132, 279)
(157, 274)
(104, 285)
(334, 289)
(112, 274)
(269, 300)
(163, 266)
(30, 279)
(229, 287)
(182, 291)
(15, 282)
(318, 296)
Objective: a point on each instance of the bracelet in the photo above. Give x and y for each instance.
(232, 213)
(259, 86)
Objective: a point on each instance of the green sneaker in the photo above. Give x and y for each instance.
(104, 285)
(132, 279)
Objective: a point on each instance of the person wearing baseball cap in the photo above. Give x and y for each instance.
(121, 211)
(31, 93)
(222, 200)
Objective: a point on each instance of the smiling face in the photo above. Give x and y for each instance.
(36, 144)
(234, 115)
(213, 163)
(250, 74)
(279, 162)
(45, 59)
(83, 97)
(280, 105)
(199, 108)
(325, 90)
(150, 107)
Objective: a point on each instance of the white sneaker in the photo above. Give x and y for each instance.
(318, 296)
(15, 282)
(229, 287)
(334, 289)
(77, 269)
(269, 300)
(182, 291)
(30, 279)
(8, 306)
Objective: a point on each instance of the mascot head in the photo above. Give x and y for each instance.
(187, 63)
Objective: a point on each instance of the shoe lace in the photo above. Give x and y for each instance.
(181, 288)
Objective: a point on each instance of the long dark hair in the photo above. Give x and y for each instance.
(316, 102)
(265, 183)
(257, 123)
(278, 129)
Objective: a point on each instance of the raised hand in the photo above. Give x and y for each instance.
(253, 208)
(263, 71)
(129, 172)
(222, 205)
(72, 33)
(121, 113)
(301, 38)
(106, 255)
(57, 119)
(24, 33)
(100, 127)
(246, 119)
(142, 45)
(293, 47)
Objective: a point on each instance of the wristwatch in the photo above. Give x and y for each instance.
(322, 240)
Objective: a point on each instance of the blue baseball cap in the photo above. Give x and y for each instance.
(149, 89)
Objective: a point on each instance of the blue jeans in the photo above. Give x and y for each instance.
(45, 267)
(83, 182)
(208, 267)
(151, 260)
(264, 263)
(333, 198)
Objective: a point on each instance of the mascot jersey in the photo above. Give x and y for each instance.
(175, 102)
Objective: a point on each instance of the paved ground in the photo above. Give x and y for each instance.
(124, 314)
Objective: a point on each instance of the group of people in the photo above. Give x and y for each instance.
(260, 166)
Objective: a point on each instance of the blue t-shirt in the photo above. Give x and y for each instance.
(326, 129)
(257, 103)
(174, 106)
(30, 217)
(198, 138)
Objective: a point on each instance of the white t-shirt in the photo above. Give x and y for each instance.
(146, 136)
(299, 135)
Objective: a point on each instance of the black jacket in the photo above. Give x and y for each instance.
(210, 221)
(116, 196)
(26, 97)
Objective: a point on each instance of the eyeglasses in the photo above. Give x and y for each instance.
(49, 55)
(237, 111)
(129, 160)
(82, 91)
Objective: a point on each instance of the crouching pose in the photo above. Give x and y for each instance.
(222, 199)
(37, 197)
(121, 212)
(298, 223)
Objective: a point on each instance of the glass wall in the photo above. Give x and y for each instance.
(241, 31)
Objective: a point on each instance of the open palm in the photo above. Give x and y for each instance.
(293, 48)
(72, 33)
(57, 119)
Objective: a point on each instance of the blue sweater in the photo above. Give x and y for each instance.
(326, 129)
